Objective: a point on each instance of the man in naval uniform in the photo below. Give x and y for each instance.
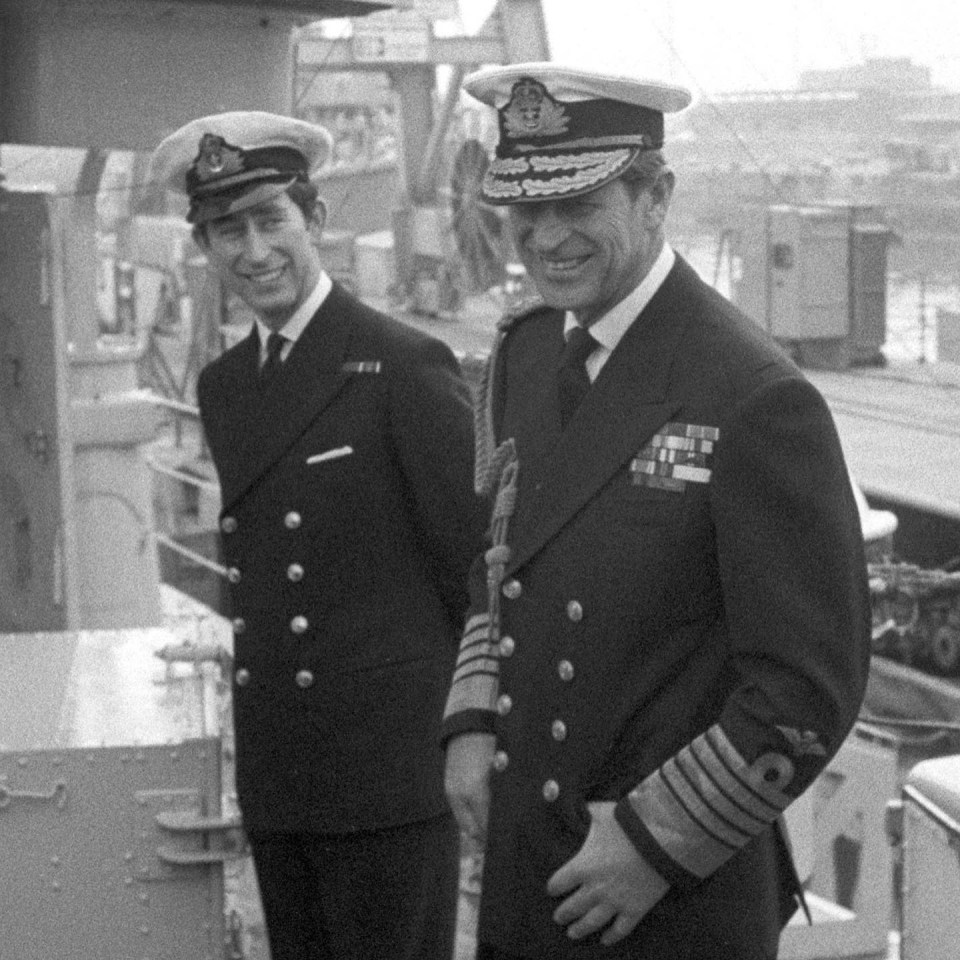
(669, 634)
(343, 441)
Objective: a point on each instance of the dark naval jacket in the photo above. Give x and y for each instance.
(348, 524)
(684, 624)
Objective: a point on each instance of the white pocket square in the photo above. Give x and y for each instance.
(334, 454)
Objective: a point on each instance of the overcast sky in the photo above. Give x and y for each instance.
(748, 44)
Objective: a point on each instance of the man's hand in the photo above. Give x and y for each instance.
(609, 882)
(467, 782)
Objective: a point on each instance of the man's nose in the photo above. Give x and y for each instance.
(255, 246)
(549, 229)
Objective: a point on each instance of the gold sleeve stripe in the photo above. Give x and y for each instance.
(478, 664)
(749, 778)
(479, 621)
(694, 790)
(475, 692)
(727, 785)
(476, 677)
(474, 649)
(476, 640)
(705, 803)
(679, 835)
(471, 642)
(700, 814)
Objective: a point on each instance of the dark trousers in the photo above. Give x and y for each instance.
(487, 952)
(384, 895)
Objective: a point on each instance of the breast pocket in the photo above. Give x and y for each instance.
(328, 463)
(324, 477)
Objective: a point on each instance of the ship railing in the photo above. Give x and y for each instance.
(192, 483)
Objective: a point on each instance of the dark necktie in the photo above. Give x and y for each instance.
(273, 363)
(572, 379)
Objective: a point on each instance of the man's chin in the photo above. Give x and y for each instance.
(556, 296)
(269, 306)
(565, 293)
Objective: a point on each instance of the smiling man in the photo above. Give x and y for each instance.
(669, 635)
(265, 257)
(343, 441)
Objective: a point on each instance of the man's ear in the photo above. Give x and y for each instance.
(660, 194)
(319, 219)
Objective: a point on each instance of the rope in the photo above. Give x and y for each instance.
(498, 556)
(490, 459)
(484, 441)
(495, 465)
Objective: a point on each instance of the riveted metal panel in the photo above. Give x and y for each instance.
(111, 845)
(82, 874)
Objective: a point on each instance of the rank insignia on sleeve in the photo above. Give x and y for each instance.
(676, 454)
(803, 742)
(361, 366)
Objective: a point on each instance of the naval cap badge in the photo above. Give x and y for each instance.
(532, 112)
(217, 158)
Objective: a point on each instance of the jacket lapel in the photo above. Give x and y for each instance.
(272, 419)
(534, 383)
(628, 402)
(237, 399)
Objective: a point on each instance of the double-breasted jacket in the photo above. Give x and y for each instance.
(348, 523)
(680, 625)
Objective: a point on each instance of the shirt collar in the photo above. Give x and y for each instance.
(608, 331)
(295, 326)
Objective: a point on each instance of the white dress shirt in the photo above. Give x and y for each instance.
(292, 329)
(608, 331)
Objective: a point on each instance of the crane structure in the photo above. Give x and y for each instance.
(430, 227)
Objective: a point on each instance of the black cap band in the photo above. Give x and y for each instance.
(550, 124)
(220, 166)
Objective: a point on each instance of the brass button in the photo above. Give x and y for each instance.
(504, 704)
(233, 575)
(292, 520)
(229, 524)
(551, 790)
(565, 669)
(559, 730)
(295, 573)
(512, 589)
(507, 646)
(299, 624)
(304, 679)
(500, 761)
(239, 625)
(575, 611)
(242, 677)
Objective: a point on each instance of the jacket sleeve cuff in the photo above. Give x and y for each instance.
(473, 691)
(640, 837)
(467, 721)
(707, 802)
